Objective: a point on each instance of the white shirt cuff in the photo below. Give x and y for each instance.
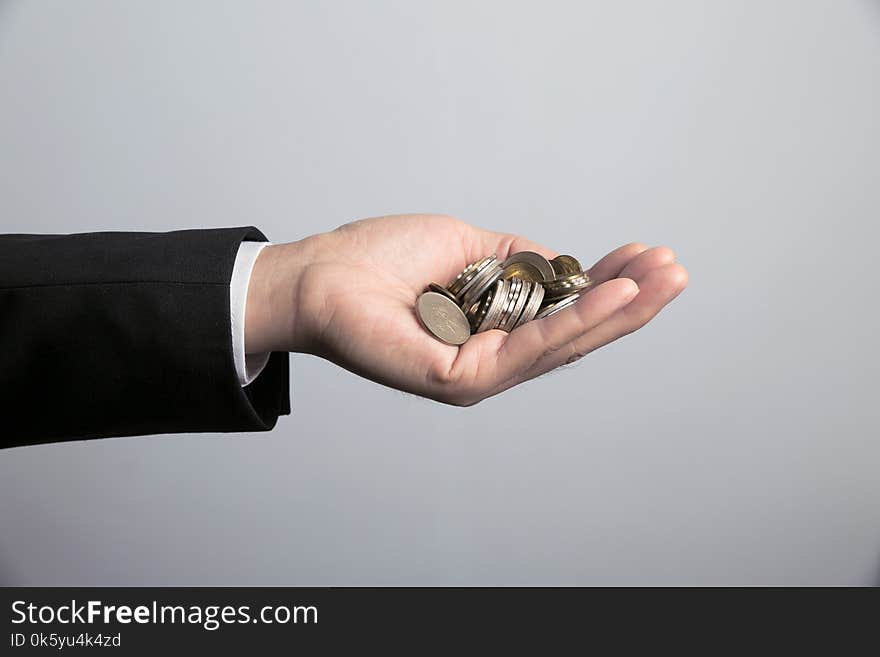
(247, 366)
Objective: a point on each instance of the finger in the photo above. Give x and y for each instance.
(541, 340)
(656, 289)
(613, 264)
(648, 260)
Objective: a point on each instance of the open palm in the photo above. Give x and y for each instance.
(356, 298)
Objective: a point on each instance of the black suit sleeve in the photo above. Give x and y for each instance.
(119, 334)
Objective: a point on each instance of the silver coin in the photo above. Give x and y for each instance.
(517, 291)
(456, 283)
(498, 306)
(555, 307)
(538, 261)
(533, 305)
(512, 295)
(520, 304)
(443, 318)
(518, 297)
(485, 280)
(478, 274)
(492, 314)
(468, 274)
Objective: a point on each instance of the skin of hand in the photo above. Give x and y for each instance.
(349, 296)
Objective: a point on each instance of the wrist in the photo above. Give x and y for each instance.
(274, 319)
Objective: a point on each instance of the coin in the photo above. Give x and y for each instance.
(523, 270)
(490, 294)
(518, 305)
(477, 313)
(439, 289)
(512, 295)
(494, 311)
(443, 318)
(478, 275)
(563, 265)
(467, 274)
(565, 285)
(455, 283)
(537, 261)
(533, 305)
(484, 280)
(555, 307)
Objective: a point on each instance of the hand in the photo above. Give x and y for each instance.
(349, 296)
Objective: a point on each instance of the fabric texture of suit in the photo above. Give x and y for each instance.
(119, 334)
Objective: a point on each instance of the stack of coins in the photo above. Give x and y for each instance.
(490, 294)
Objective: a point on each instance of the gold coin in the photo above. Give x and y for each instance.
(477, 312)
(524, 270)
(439, 289)
(566, 285)
(537, 261)
(565, 265)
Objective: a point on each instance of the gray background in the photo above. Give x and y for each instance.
(733, 441)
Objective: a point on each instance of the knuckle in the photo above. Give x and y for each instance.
(575, 354)
(551, 350)
(637, 321)
(514, 242)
